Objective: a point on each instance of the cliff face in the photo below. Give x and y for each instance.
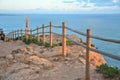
(32, 62)
(29, 63)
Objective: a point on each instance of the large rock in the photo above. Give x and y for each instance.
(41, 62)
(23, 64)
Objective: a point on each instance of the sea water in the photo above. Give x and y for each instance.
(102, 25)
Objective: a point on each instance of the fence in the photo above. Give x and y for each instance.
(88, 35)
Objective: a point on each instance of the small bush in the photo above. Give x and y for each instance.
(68, 42)
(47, 44)
(108, 71)
(28, 41)
(60, 44)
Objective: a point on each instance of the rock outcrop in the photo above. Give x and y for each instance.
(33, 62)
(23, 64)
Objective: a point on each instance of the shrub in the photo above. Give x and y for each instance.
(28, 41)
(60, 44)
(47, 44)
(68, 42)
(108, 71)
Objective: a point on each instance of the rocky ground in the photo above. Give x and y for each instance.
(19, 61)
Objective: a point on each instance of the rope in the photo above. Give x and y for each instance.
(95, 37)
(95, 50)
(34, 29)
(57, 26)
(56, 33)
(46, 26)
(76, 31)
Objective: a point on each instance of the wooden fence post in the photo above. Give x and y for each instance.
(38, 34)
(26, 30)
(43, 34)
(87, 54)
(31, 34)
(50, 34)
(64, 39)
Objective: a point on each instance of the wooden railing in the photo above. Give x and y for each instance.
(27, 32)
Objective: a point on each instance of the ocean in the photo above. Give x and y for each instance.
(102, 25)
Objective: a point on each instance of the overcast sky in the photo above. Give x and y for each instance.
(60, 6)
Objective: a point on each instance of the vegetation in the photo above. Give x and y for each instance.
(109, 72)
(40, 43)
(68, 42)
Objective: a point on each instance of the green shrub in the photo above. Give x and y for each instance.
(108, 71)
(34, 40)
(60, 44)
(28, 41)
(47, 44)
(68, 42)
(54, 45)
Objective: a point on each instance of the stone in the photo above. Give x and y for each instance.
(9, 56)
(41, 62)
(24, 74)
(73, 36)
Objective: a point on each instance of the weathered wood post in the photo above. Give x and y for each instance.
(43, 34)
(31, 34)
(12, 35)
(38, 34)
(50, 34)
(87, 54)
(64, 39)
(26, 30)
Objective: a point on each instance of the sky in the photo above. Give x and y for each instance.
(60, 6)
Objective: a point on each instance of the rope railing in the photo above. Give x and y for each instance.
(46, 26)
(28, 32)
(56, 33)
(57, 26)
(96, 50)
(34, 29)
(95, 37)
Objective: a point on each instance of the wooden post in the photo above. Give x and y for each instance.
(38, 34)
(87, 54)
(64, 39)
(26, 30)
(43, 34)
(12, 35)
(50, 34)
(31, 34)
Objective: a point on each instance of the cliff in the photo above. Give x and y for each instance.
(19, 61)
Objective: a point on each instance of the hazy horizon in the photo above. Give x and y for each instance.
(60, 6)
